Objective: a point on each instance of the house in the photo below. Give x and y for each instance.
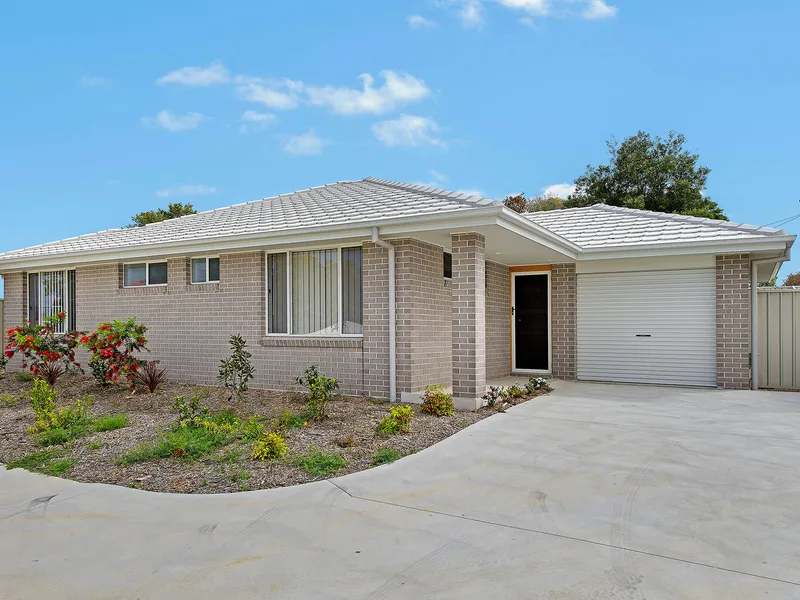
(391, 287)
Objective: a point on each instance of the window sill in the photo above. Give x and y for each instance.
(144, 289)
(297, 341)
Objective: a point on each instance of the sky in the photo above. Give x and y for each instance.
(108, 109)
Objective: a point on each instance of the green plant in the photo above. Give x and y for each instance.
(320, 389)
(318, 463)
(61, 435)
(494, 394)
(25, 377)
(269, 447)
(189, 412)
(95, 445)
(535, 384)
(180, 442)
(150, 376)
(112, 350)
(253, 428)
(50, 416)
(110, 422)
(436, 401)
(48, 462)
(398, 421)
(287, 420)
(48, 350)
(8, 400)
(514, 391)
(236, 371)
(385, 456)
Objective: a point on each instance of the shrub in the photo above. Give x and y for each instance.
(45, 353)
(535, 384)
(494, 394)
(398, 421)
(514, 391)
(50, 416)
(112, 351)
(436, 401)
(269, 447)
(318, 463)
(320, 389)
(110, 422)
(48, 462)
(253, 428)
(180, 442)
(150, 375)
(236, 371)
(286, 421)
(385, 456)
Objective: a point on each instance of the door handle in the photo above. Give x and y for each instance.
(643, 335)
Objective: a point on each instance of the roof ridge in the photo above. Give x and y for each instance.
(440, 193)
(689, 218)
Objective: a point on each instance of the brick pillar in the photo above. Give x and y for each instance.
(564, 312)
(376, 320)
(469, 314)
(15, 308)
(733, 321)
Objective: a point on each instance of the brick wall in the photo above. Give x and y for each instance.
(376, 320)
(563, 320)
(189, 324)
(733, 321)
(498, 320)
(15, 309)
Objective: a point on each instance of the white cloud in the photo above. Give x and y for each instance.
(213, 74)
(471, 14)
(171, 121)
(418, 21)
(408, 130)
(261, 91)
(558, 190)
(186, 190)
(305, 144)
(534, 7)
(94, 81)
(256, 121)
(597, 9)
(528, 22)
(397, 89)
(437, 175)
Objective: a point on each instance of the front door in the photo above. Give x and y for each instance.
(531, 321)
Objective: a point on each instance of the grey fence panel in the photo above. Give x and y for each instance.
(779, 338)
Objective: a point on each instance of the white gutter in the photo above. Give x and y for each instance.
(754, 313)
(392, 318)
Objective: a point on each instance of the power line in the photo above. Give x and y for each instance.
(780, 222)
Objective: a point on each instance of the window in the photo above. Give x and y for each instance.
(49, 293)
(315, 292)
(205, 270)
(142, 274)
(448, 265)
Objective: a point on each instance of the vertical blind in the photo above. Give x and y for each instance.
(305, 290)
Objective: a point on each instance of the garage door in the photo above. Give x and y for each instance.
(648, 327)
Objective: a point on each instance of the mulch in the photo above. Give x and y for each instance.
(352, 421)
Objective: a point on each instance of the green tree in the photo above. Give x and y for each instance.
(792, 279)
(648, 173)
(521, 204)
(173, 211)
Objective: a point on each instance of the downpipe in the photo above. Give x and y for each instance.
(392, 317)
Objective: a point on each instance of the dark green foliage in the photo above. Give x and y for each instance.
(180, 442)
(236, 371)
(385, 456)
(318, 463)
(521, 204)
(110, 422)
(173, 211)
(648, 173)
(320, 390)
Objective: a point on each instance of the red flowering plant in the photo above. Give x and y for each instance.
(46, 353)
(112, 351)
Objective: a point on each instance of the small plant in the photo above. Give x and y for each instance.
(384, 456)
(236, 371)
(514, 392)
(95, 445)
(150, 375)
(319, 463)
(494, 394)
(320, 389)
(110, 422)
(270, 447)
(286, 421)
(25, 377)
(50, 416)
(535, 384)
(346, 442)
(180, 442)
(7, 399)
(398, 421)
(436, 401)
(253, 428)
(112, 351)
(3, 364)
(45, 352)
(48, 462)
(189, 413)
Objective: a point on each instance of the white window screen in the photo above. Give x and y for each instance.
(48, 295)
(315, 292)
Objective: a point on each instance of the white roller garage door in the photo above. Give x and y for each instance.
(648, 327)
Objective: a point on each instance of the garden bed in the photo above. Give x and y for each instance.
(344, 442)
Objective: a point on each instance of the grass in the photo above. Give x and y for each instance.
(111, 422)
(181, 442)
(25, 377)
(48, 462)
(318, 462)
(61, 435)
(8, 400)
(95, 445)
(384, 456)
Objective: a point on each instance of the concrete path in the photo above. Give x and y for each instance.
(596, 491)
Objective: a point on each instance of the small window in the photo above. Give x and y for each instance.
(143, 274)
(205, 270)
(448, 265)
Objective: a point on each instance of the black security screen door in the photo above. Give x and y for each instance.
(531, 327)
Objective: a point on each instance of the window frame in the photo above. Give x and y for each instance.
(146, 274)
(445, 254)
(339, 290)
(208, 270)
(68, 297)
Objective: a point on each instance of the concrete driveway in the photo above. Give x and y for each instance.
(596, 491)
